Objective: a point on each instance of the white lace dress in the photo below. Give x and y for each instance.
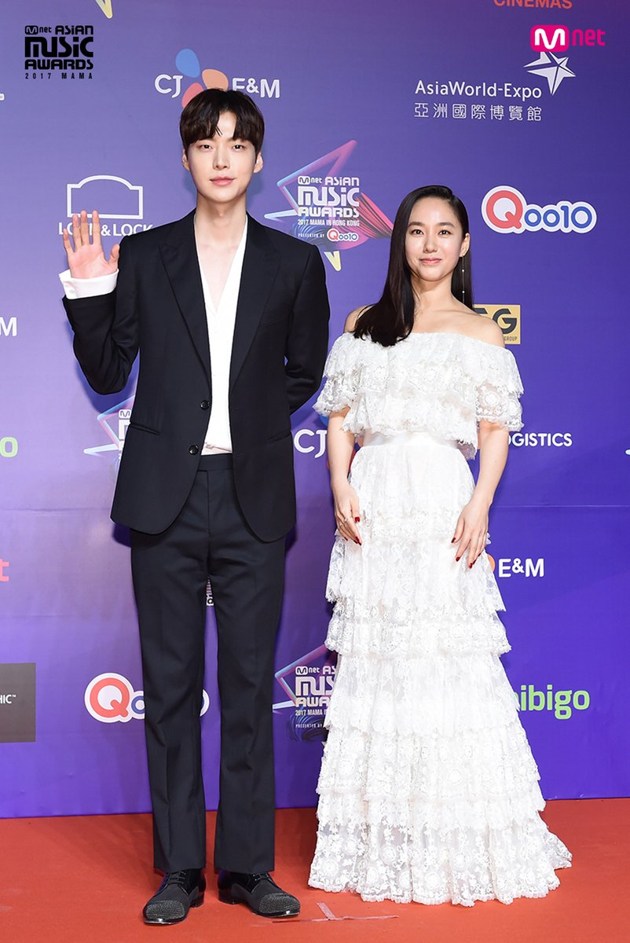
(428, 789)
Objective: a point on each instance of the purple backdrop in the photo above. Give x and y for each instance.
(516, 104)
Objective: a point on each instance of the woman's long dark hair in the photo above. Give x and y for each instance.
(391, 318)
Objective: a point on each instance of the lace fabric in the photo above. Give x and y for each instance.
(441, 383)
(428, 788)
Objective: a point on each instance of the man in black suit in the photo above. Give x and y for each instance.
(230, 319)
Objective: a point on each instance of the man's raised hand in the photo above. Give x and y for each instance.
(87, 259)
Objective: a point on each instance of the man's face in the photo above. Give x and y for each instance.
(221, 167)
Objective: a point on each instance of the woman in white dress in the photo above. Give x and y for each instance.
(428, 789)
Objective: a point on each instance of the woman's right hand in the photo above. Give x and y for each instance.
(86, 258)
(347, 515)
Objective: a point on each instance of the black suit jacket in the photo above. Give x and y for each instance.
(278, 354)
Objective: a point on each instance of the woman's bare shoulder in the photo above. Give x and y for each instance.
(353, 317)
(482, 329)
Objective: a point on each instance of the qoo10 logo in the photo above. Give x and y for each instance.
(110, 699)
(506, 210)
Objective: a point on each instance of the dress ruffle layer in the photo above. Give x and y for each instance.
(438, 383)
(435, 866)
(428, 788)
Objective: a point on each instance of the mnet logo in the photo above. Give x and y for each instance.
(559, 38)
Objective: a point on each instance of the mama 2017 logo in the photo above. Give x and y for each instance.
(308, 682)
(64, 49)
(329, 207)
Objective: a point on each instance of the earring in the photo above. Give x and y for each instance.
(463, 283)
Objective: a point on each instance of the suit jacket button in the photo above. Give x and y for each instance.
(194, 449)
(205, 404)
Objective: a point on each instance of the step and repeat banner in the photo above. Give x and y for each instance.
(519, 106)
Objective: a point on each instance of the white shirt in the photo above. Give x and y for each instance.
(221, 334)
(220, 322)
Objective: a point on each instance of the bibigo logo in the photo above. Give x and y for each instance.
(505, 210)
(110, 699)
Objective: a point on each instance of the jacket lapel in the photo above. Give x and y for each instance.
(260, 265)
(179, 255)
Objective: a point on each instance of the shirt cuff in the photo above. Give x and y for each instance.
(87, 287)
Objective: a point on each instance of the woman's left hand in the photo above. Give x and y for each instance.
(471, 531)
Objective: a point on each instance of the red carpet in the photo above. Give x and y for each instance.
(85, 880)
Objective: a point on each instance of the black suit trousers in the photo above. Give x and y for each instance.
(209, 537)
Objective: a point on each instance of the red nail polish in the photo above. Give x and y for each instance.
(356, 520)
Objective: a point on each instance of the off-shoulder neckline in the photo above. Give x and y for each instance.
(475, 340)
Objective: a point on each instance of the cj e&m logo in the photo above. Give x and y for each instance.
(556, 38)
(505, 210)
(110, 698)
(189, 68)
(63, 50)
(507, 567)
(310, 442)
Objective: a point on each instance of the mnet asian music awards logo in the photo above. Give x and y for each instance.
(308, 682)
(549, 41)
(329, 207)
(66, 51)
(110, 698)
(114, 422)
(189, 70)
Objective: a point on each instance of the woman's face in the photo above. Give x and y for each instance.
(434, 242)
